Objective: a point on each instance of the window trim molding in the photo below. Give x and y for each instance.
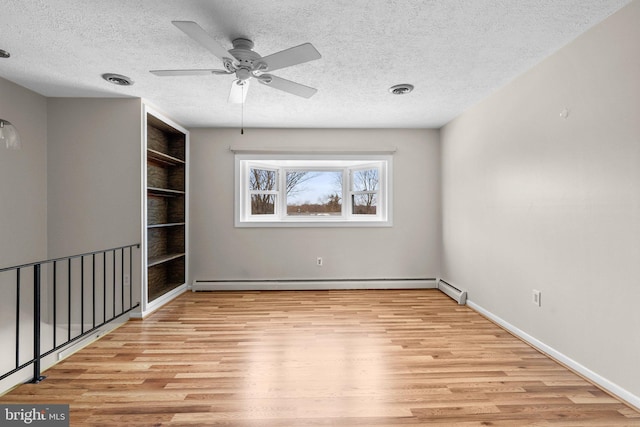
(243, 161)
(315, 150)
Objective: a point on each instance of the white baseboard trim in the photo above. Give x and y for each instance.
(99, 333)
(148, 308)
(308, 285)
(597, 379)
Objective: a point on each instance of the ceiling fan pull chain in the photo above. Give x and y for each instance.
(242, 113)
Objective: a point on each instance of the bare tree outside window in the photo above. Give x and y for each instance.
(317, 197)
(364, 196)
(295, 179)
(263, 183)
(263, 179)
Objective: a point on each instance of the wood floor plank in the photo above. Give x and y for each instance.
(319, 358)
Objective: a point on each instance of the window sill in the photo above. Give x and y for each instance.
(312, 224)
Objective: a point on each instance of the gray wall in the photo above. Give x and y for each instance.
(23, 178)
(75, 185)
(23, 210)
(94, 180)
(409, 249)
(535, 201)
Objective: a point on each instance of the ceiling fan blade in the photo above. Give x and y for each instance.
(205, 72)
(292, 56)
(196, 32)
(238, 92)
(287, 85)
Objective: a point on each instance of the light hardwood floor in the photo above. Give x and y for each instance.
(319, 358)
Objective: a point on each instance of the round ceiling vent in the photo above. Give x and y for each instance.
(118, 79)
(401, 89)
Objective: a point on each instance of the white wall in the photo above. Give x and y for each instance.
(535, 201)
(23, 178)
(409, 249)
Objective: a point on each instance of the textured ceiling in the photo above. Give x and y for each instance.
(455, 53)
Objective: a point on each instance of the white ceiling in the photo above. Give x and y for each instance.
(455, 52)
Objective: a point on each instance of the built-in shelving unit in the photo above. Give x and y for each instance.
(166, 207)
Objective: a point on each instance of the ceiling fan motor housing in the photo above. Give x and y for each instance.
(243, 54)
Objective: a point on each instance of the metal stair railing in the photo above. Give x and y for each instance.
(96, 294)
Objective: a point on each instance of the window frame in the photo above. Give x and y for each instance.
(352, 192)
(283, 163)
(275, 192)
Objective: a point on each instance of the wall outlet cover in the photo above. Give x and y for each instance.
(537, 296)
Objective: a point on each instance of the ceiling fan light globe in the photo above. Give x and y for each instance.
(243, 74)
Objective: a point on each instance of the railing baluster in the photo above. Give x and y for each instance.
(130, 277)
(69, 299)
(18, 318)
(36, 324)
(122, 278)
(81, 295)
(55, 301)
(93, 280)
(104, 286)
(113, 297)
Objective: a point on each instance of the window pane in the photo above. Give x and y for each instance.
(263, 179)
(365, 180)
(263, 204)
(314, 193)
(364, 204)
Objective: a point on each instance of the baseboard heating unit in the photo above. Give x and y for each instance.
(312, 284)
(456, 294)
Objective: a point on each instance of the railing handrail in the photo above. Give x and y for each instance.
(31, 264)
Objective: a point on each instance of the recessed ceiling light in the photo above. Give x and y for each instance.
(118, 79)
(4, 54)
(401, 89)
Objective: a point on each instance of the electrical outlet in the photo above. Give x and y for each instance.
(537, 295)
(127, 282)
(319, 261)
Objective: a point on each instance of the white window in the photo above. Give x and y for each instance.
(312, 190)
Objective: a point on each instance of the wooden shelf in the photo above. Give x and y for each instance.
(172, 224)
(159, 291)
(162, 158)
(164, 192)
(163, 258)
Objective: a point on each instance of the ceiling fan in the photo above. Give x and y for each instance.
(247, 64)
